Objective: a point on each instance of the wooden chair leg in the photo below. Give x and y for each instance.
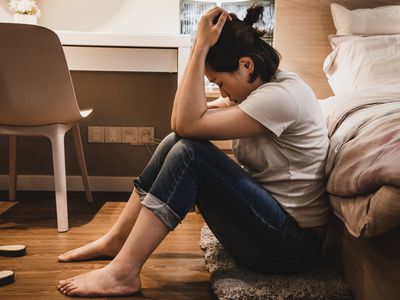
(60, 179)
(82, 163)
(12, 177)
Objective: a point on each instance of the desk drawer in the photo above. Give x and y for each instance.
(121, 59)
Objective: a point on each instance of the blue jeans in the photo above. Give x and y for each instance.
(245, 218)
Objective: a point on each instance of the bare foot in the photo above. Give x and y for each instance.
(108, 281)
(104, 246)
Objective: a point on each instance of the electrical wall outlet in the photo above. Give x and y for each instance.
(129, 135)
(146, 135)
(113, 134)
(95, 134)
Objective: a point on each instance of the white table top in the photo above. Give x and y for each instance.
(76, 38)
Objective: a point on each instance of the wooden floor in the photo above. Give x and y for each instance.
(176, 269)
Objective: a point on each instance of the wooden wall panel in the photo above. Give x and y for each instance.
(301, 36)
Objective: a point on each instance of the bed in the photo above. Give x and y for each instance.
(361, 101)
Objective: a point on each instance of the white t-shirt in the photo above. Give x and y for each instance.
(289, 160)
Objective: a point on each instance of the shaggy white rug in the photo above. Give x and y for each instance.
(234, 283)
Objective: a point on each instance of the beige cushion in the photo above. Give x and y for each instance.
(369, 215)
(376, 21)
(360, 62)
(336, 40)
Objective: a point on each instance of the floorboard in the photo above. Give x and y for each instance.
(176, 269)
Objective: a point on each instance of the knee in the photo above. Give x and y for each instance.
(171, 138)
(191, 147)
(169, 141)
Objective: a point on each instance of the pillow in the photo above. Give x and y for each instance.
(335, 40)
(375, 21)
(363, 62)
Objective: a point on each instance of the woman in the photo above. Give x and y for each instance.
(269, 214)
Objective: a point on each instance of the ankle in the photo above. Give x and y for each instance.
(123, 270)
(111, 240)
(114, 235)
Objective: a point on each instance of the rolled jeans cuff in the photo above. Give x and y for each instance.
(162, 211)
(142, 193)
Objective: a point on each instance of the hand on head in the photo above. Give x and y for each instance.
(208, 32)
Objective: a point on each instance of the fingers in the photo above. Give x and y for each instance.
(212, 13)
(208, 31)
(221, 21)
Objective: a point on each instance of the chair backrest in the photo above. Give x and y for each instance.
(35, 83)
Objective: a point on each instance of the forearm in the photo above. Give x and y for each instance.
(190, 100)
(178, 91)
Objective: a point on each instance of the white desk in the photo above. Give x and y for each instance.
(99, 51)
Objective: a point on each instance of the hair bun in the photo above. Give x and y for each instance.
(254, 14)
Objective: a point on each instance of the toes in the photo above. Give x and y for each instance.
(64, 256)
(70, 288)
(72, 292)
(63, 283)
(61, 287)
(67, 253)
(66, 286)
(61, 257)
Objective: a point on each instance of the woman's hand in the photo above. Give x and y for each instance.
(208, 33)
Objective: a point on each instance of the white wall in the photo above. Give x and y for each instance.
(133, 16)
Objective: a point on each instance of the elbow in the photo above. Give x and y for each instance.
(175, 128)
(182, 131)
(178, 130)
(187, 129)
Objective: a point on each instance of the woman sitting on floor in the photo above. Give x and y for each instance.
(269, 214)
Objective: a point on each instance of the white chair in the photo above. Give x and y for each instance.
(37, 98)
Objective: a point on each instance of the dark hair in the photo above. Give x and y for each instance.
(239, 39)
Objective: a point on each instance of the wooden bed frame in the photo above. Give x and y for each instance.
(371, 266)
